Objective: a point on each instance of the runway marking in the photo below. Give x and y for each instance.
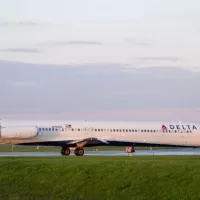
(163, 152)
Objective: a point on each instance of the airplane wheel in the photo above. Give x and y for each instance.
(65, 151)
(76, 152)
(79, 152)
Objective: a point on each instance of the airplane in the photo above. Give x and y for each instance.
(77, 134)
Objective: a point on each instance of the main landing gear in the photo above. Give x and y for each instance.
(79, 151)
(65, 151)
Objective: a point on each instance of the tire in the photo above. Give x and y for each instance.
(79, 152)
(65, 151)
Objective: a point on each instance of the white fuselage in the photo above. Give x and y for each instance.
(117, 132)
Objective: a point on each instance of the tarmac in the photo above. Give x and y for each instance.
(163, 152)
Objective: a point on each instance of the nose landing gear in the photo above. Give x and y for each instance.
(130, 150)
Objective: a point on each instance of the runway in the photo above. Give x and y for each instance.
(163, 152)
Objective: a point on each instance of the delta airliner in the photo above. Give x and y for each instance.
(79, 134)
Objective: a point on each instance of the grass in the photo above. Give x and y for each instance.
(7, 148)
(100, 178)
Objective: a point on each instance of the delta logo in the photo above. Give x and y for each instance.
(164, 128)
(179, 127)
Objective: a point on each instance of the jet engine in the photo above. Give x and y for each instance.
(19, 132)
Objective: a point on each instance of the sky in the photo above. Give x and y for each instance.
(142, 33)
(98, 92)
(108, 59)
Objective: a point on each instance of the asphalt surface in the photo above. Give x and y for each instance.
(163, 152)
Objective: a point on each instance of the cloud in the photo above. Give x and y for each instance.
(137, 42)
(94, 88)
(71, 42)
(20, 50)
(24, 83)
(18, 24)
(197, 69)
(165, 58)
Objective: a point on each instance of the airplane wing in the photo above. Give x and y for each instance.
(88, 140)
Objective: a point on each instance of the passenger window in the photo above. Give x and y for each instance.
(135, 130)
(72, 129)
(39, 129)
(116, 130)
(56, 129)
(43, 129)
(126, 130)
(113, 130)
(141, 130)
(49, 129)
(102, 130)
